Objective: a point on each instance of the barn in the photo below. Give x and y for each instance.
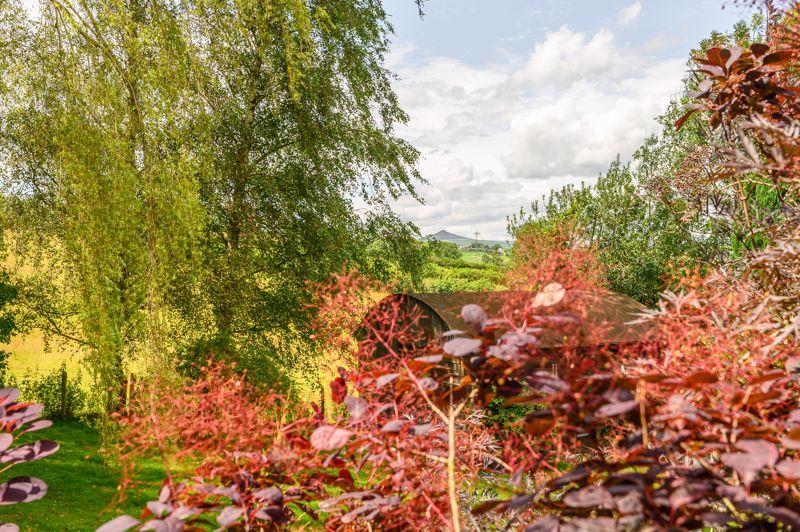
(609, 312)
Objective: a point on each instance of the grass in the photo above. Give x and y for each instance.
(81, 485)
(473, 257)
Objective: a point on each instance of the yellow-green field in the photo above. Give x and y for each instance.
(30, 354)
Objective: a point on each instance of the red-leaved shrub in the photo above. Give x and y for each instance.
(693, 422)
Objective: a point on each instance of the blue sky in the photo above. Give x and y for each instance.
(511, 98)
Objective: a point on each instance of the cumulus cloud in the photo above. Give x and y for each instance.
(627, 15)
(566, 56)
(494, 139)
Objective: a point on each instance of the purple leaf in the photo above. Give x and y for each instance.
(598, 524)
(383, 380)
(760, 448)
(393, 426)
(272, 495)
(421, 430)
(589, 497)
(430, 359)
(473, 315)
(276, 514)
(119, 524)
(39, 425)
(159, 509)
(328, 438)
(746, 464)
(229, 515)
(550, 295)
(169, 524)
(356, 406)
(545, 524)
(428, 384)
(29, 452)
(8, 395)
(459, 347)
(22, 489)
(6, 439)
(165, 494)
(790, 443)
(789, 468)
(616, 409)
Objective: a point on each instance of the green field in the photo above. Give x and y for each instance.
(81, 485)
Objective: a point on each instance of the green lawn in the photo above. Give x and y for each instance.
(474, 257)
(81, 485)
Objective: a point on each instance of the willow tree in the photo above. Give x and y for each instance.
(301, 116)
(186, 168)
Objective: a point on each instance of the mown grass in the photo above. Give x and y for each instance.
(81, 485)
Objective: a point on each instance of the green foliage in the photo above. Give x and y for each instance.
(442, 250)
(637, 238)
(183, 171)
(449, 275)
(506, 416)
(449, 268)
(726, 219)
(61, 400)
(8, 324)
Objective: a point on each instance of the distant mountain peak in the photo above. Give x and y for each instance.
(446, 235)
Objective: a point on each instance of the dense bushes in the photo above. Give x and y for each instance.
(61, 394)
(678, 430)
(637, 239)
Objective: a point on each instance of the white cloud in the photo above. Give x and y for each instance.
(629, 14)
(566, 56)
(494, 139)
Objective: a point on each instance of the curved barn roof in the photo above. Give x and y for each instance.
(609, 311)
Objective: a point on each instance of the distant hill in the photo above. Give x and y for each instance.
(464, 241)
(446, 236)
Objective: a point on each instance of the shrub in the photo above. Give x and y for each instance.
(62, 396)
(17, 418)
(695, 426)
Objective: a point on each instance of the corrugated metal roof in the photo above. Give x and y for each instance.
(608, 312)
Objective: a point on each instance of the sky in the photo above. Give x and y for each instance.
(509, 99)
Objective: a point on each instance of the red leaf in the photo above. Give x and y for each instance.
(539, 423)
(759, 49)
(701, 377)
(338, 390)
(778, 58)
(682, 120)
(484, 507)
